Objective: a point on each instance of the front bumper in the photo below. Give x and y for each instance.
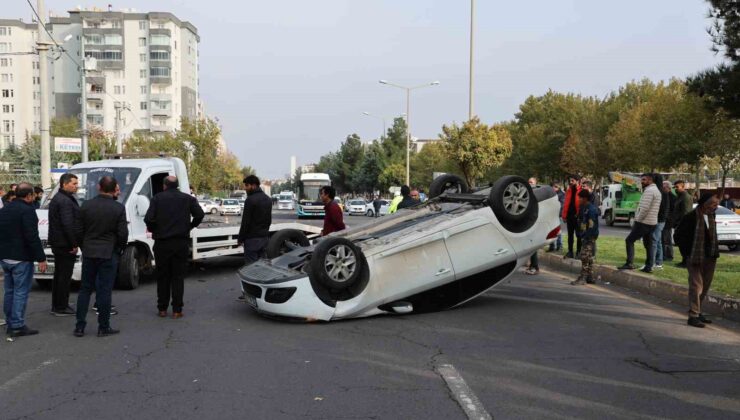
(261, 283)
(50, 268)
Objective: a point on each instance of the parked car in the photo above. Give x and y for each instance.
(208, 206)
(431, 257)
(384, 206)
(230, 206)
(728, 228)
(357, 207)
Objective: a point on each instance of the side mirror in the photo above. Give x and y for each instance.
(142, 205)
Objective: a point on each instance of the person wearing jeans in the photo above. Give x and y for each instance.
(19, 248)
(656, 248)
(98, 275)
(646, 221)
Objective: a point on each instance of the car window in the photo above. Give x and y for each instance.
(724, 211)
(230, 202)
(357, 203)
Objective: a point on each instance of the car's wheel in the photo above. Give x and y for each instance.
(447, 183)
(128, 269)
(281, 240)
(369, 213)
(44, 283)
(732, 247)
(214, 211)
(336, 264)
(514, 204)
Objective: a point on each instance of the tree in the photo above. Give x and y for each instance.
(432, 158)
(229, 175)
(366, 178)
(246, 171)
(724, 145)
(392, 175)
(475, 147)
(349, 158)
(202, 139)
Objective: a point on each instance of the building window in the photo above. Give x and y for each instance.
(158, 39)
(103, 39)
(159, 55)
(142, 58)
(4, 30)
(119, 74)
(115, 24)
(6, 62)
(161, 105)
(95, 119)
(6, 77)
(7, 109)
(7, 93)
(142, 42)
(119, 90)
(9, 126)
(105, 55)
(142, 106)
(143, 90)
(160, 72)
(142, 25)
(142, 73)
(160, 25)
(5, 47)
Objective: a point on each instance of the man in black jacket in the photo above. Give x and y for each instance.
(681, 207)
(667, 239)
(104, 233)
(169, 220)
(19, 248)
(256, 220)
(64, 213)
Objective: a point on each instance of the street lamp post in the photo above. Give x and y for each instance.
(408, 90)
(472, 31)
(367, 114)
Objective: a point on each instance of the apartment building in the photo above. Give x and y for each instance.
(146, 72)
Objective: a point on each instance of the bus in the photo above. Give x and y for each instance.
(308, 203)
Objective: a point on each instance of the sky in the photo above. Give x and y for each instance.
(293, 77)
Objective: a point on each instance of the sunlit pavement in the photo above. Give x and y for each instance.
(534, 347)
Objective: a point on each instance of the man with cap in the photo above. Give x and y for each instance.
(697, 234)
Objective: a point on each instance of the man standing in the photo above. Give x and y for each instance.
(19, 248)
(104, 234)
(377, 205)
(169, 219)
(333, 218)
(534, 265)
(64, 212)
(588, 231)
(256, 220)
(410, 199)
(38, 194)
(680, 209)
(645, 221)
(667, 239)
(728, 203)
(697, 233)
(656, 249)
(570, 213)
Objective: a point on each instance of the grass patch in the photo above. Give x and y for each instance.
(611, 251)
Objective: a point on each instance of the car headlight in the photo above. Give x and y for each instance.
(279, 294)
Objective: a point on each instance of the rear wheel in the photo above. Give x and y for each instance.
(447, 183)
(284, 241)
(514, 204)
(129, 271)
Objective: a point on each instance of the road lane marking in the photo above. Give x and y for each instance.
(464, 396)
(26, 375)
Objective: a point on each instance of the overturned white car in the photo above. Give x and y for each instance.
(434, 256)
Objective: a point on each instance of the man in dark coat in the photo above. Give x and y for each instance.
(64, 213)
(256, 220)
(104, 232)
(19, 248)
(171, 216)
(696, 235)
(667, 236)
(681, 207)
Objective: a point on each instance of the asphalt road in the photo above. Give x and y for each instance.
(534, 347)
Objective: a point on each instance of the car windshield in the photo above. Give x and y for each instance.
(356, 203)
(88, 179)
(230, 203)
(286, 197)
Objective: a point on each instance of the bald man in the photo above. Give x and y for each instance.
(171, 216)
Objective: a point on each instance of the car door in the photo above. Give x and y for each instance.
(477, 245)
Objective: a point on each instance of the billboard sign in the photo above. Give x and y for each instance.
(67, 144)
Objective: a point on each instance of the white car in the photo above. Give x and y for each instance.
(230, 206)
(728, 228)
(385, 205)
(431, 257)
(208, 206)
(355, 207)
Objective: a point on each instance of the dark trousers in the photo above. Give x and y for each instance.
(171, 263)
(572, 223)
(640, 230)
(700, 279)
(254, 249)
(98, 275)
(377, 211)
(667, 243)
(64, 263)
(534, 262)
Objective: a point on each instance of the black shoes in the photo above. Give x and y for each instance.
(590, 280)
(104, 332)
(627, 267)
(568, 255)
(21, 332)
(646, 270)
(68, 311)
(695, 322)
(79, 332)
(704, 319)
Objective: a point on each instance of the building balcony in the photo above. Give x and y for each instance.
(94, 95)
(161, 128)
(159, 112)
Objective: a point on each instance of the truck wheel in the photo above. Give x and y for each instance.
(336, 264)
(514, 204)
(610, 218)
(279, 242)
(632, 220)
(128, 269)
(447, 183)
(45, 284)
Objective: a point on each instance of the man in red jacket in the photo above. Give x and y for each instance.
(570, 213)
(333, 218)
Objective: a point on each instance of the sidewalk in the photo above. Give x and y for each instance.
(726, 307)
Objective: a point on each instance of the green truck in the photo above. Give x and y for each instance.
(619, 199)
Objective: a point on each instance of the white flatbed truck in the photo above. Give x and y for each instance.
(140, 180)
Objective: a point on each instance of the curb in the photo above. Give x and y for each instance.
(725, 307)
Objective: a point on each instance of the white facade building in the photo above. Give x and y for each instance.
(146, 65)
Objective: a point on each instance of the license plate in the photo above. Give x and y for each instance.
(251, 300)
(728, 237)
(49, 269)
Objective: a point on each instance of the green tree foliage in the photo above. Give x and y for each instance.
(432, 158)
(475, 147)
(201, 137)
(366, 178)
(724, 145)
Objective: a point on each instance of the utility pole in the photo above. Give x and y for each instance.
(42, 45)
(83, 114)
(120, 106)
(472, 30)
(408, 136)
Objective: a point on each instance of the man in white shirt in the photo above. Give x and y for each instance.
(646, 219)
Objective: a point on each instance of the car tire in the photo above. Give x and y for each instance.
(514, 203)
(214, 211)
(337, 264)
(45, 284)
(129, 271)
(447, 183)
(276, 246)
(370, 213)
(732, 247)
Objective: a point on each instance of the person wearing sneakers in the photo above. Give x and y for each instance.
(588, 232)
(534, 264)
(697, 233)
(646, 220)
(19, 249)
